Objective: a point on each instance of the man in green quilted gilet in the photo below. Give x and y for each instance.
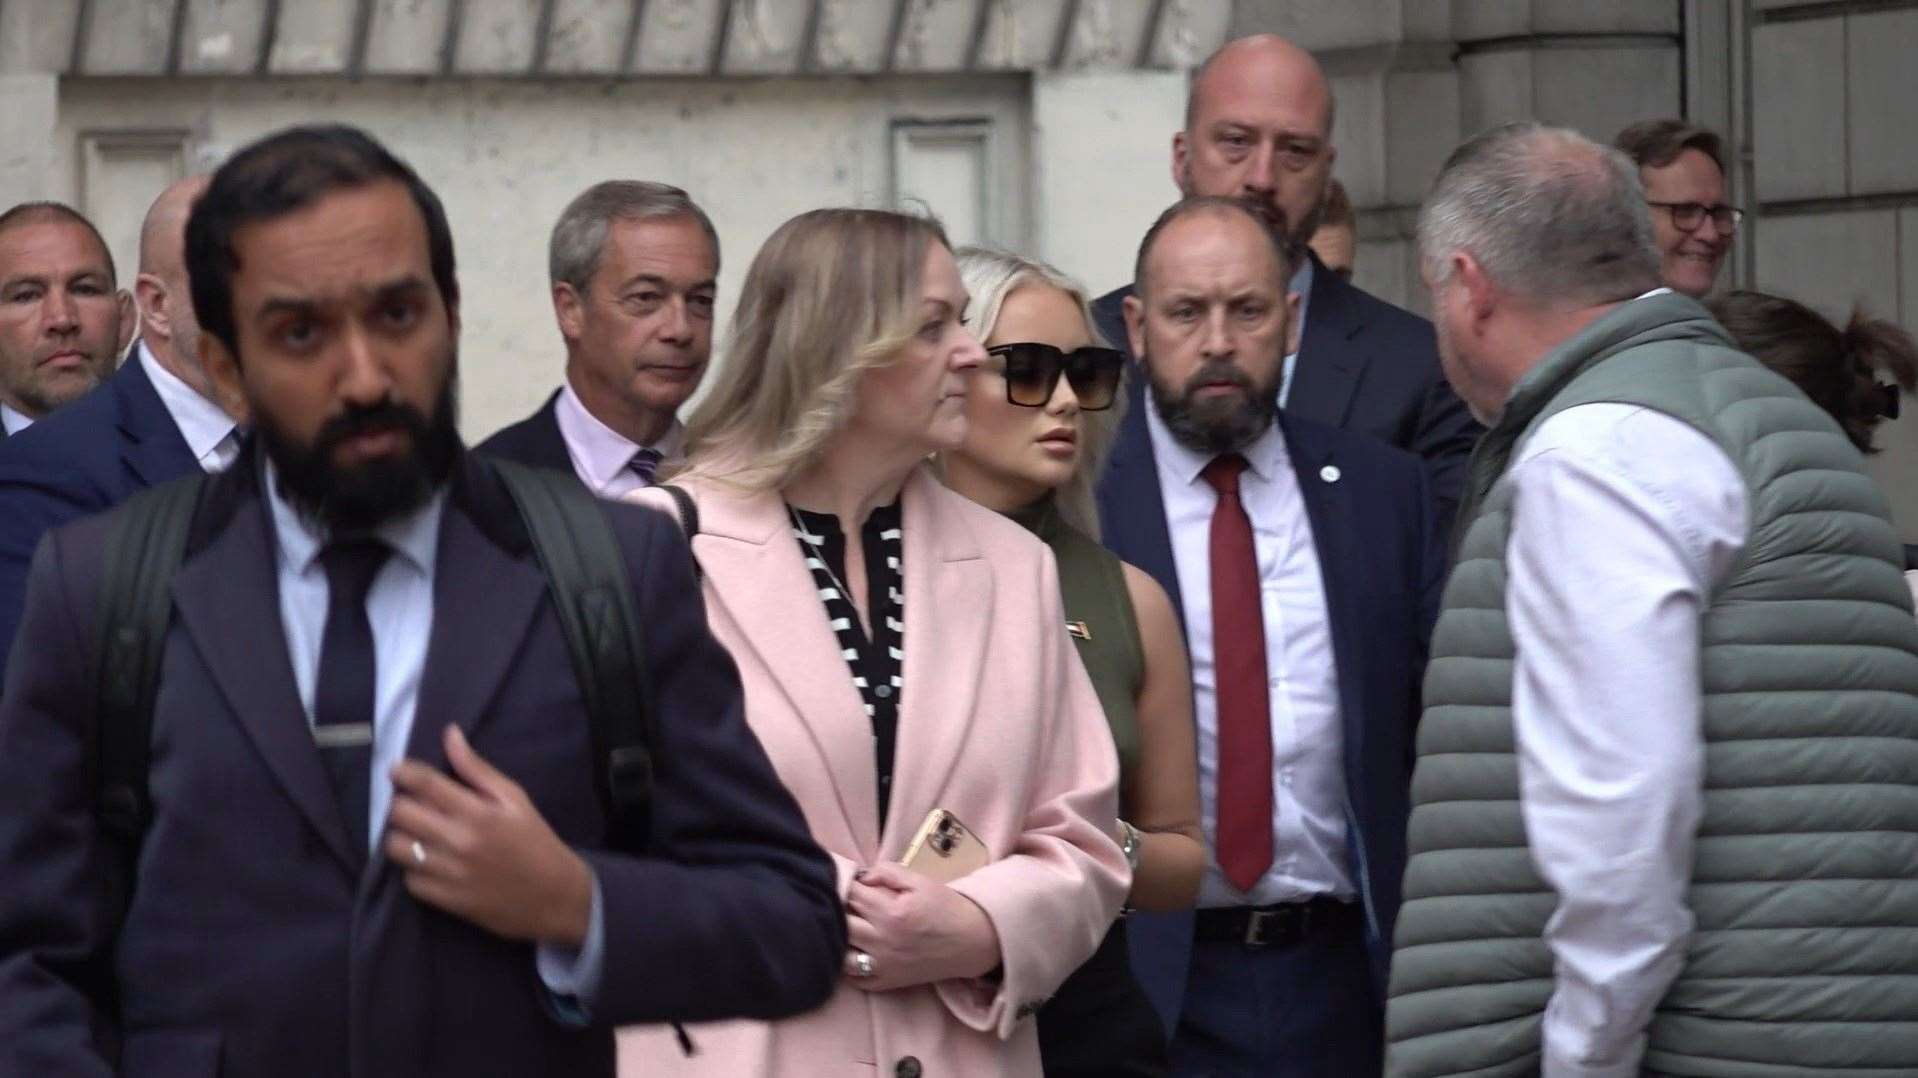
(1665, 812)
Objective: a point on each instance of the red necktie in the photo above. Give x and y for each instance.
(1244, 803)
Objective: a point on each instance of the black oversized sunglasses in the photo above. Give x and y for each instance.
(1032, 372)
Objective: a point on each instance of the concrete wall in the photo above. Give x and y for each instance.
(507, 156)
(1816, 100)
(1835, 178)
(1414, 77)
(1043, 124)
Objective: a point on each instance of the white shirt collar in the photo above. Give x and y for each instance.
(201, 422)
(599, 452)
(414, 536)
(1265, 456)
(15, 422)
(1653, 292)
(1301, 283)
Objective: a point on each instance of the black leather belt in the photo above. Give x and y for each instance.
(1276, 925)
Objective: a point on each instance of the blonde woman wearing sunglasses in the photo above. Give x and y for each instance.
(1040, 415)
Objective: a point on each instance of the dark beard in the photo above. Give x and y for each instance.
(1224, 424)
(345, 501)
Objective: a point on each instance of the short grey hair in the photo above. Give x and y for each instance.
(1550, 215)
(572, 257)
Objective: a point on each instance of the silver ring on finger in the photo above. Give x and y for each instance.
(861, 964)
(419, 854)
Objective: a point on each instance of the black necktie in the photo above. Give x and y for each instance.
(343, 699)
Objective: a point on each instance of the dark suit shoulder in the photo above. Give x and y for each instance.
(1383, 317)
(1310, 434)
(638, 527)
(82, 436)
(535, 440)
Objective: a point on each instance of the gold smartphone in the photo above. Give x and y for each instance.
(945, 849)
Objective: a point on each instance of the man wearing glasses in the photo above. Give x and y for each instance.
(1683, 170)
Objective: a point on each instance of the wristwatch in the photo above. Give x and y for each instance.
(1132, 844)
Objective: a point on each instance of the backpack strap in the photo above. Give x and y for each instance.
(586, 574)
(146, 541)
(688, 509)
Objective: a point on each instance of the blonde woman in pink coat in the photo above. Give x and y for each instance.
(902, 653)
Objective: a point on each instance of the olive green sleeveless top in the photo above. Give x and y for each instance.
(1099, 616)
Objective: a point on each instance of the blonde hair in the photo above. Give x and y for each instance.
(832, 295)
(991, 275)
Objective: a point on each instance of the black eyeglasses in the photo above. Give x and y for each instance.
(1032, 372)
(1687, 216)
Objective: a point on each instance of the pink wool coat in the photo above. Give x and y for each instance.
(998, 724)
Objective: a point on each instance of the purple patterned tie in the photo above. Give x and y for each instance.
(645, 464)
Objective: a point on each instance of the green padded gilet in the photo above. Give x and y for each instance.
(1805, 883)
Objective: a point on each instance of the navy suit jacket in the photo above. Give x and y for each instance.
(256, 944)
(1382, 561)
(535, 440)
(91, 455)
(1368, 366)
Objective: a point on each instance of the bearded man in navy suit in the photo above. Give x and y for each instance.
(372, 843)
(1305, 563)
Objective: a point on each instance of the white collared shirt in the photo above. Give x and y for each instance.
(209, 432)
(601, 455)
(14, 421)
(1624, 520)
(1301, 286)
(1308, 778)
(399, 607)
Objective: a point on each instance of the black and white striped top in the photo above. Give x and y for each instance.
(876, 662)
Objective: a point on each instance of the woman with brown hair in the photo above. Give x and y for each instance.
(904, 664)
(1838, 369)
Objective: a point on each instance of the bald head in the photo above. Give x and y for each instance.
(1260, 64)
(163, 233)
(1258, 125)
(167, 325)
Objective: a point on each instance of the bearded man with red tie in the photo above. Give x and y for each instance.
(1305, 564)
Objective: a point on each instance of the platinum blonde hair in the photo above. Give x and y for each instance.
(990, 276)
(833, 294)
(1550, 215)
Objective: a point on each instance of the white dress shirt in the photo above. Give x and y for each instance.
(209, 432)
(399, 606)
(1308, 777)
(1623, 521)
(601, 455)
(13, 421)
(1301, 286)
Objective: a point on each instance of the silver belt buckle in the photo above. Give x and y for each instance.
(1255, 927)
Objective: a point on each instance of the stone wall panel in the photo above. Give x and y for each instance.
(1831, 260)
(1882, 101)
(313, 39)
(405, 37)
(222, 37)
(1798, 86)
(127, 37)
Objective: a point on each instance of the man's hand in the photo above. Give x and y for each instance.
(490, 857)
(916, 929)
